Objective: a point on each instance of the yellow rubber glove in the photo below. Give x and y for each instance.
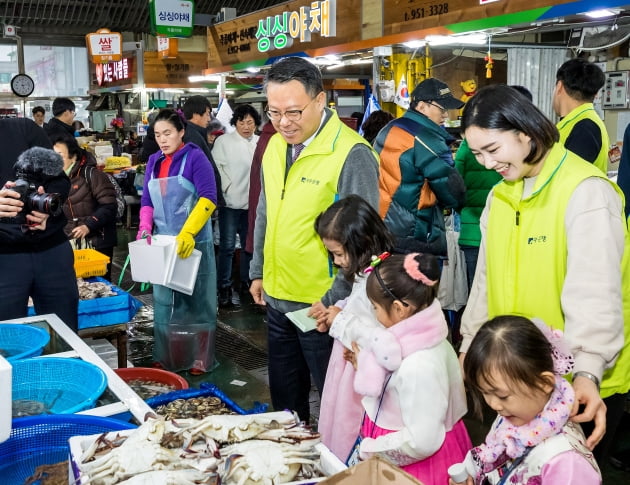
(195, 222)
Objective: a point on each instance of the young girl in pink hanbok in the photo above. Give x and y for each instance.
(409, 374)
(353, 232)
(516, 366)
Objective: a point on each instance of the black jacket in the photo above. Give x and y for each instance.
(56, 129)
(21, 134)
(92, 204)
(18, 135)
(197, 135)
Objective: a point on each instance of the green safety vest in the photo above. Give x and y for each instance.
(583, 112)
(526, 252)
(296, 264)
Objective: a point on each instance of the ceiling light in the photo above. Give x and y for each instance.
(601, 13)
(414, 44)
(198, 79)
(253, 70)
(361, 61)
(477, 38)
(325, 60)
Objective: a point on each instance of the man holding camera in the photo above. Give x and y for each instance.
(35, 255)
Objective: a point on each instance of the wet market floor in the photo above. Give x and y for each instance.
(241, 354)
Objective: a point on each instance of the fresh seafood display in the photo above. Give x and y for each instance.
(267, 448)
(147, 388)
(89, 290)
(194, 407)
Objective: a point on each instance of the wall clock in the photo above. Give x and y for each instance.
(22, 85)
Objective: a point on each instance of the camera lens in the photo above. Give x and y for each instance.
(46, 203)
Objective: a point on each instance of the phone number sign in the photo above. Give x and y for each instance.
(397, 11)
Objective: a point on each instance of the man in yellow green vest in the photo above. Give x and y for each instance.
(581, 129)
(313, 160)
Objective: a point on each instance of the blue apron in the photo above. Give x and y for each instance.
(184, 325)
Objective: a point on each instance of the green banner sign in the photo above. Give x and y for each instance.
(172, 18)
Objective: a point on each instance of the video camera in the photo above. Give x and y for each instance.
(33, 168)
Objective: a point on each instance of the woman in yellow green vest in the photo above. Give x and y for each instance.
(553, 240)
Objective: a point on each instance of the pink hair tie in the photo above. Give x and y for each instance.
(411, 267)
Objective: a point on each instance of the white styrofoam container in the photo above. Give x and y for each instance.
(159, 263)
(329, 463)
(5, 402)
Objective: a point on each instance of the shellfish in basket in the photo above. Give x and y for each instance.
(268, 463)
(266, 448)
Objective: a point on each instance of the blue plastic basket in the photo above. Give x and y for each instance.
(43, 440)
(206, 389)
(61, 385)
(21, 341)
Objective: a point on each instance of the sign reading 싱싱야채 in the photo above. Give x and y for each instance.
(172, 18)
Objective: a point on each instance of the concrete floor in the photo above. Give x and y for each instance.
(245, 326)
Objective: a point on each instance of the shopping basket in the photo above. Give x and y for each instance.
(19, 341)
(55, 385)
(43, 440)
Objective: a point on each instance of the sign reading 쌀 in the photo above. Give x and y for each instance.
(279, 31)
(172, 18)
(104, 46)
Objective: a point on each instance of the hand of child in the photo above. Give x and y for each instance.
(318, 311)
(331, 313)
(351, 356)
(586, 393)
(469, 481)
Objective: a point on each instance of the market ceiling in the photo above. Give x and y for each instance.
(37, 19)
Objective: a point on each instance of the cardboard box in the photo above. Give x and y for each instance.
(375, 471)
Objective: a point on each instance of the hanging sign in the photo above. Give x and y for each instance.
(279, 31)
(114, 71)
(104, 46)
(172, 18)
(167, 47)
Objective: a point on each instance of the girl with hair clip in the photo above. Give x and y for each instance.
(409, 374)
(516, 365)
(352, 232)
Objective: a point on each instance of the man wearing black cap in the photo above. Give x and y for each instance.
(417, 179)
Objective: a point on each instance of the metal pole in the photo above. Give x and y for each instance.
(20, 54)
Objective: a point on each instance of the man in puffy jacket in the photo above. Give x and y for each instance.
(417, 178)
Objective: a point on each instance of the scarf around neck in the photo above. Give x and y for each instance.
(514, 441)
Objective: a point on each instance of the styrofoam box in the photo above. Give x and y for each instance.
(329, 463)
(159, 263)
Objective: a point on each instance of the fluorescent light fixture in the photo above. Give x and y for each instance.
(414, 44)
(253, 70)
(326, 60)
(476, 38)
(199, 79)
(174, 91)
(602, 13)
(335, 66)
(361, 61)
(199, 90)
